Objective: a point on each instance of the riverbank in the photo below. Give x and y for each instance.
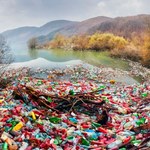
(132, 74)
(133, 48)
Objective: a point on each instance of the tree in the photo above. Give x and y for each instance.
(80, 42)
(5, 59)
(5, 52)
(33, 43)
(146, 51)
(146, 45)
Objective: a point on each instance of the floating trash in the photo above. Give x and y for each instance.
(67, 112)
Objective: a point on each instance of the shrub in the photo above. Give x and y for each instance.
(80, 42)
(130, 52)
(146, 52)
(106, 41)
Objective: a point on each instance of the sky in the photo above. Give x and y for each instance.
(17, 13)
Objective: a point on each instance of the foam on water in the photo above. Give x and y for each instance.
(109, 73)
(45, 64)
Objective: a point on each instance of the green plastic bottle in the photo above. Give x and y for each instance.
(71, 92)
(5, 146)
(85, 142)
(55, 120)
(122, 148)
(136, 142)
(57, 141)
(144, 95)
(95, 125)
(39, 82)
(49, 99)
(101, 87)
(141, 121)
(13, 122)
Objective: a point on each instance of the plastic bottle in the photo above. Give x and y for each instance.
(100, 129)
(85, 142)
(55, 120)
(95, 125)
(136, 142)
(5, 146)
(24, 146)
(18, 126)
(33, 115)
(115, 144)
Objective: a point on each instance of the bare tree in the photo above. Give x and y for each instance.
(5, 52)
(5, 58)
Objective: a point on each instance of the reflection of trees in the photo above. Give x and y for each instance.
(33, 53)
(64, 55)
(87, 56)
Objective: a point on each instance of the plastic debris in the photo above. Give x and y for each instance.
(77, 111)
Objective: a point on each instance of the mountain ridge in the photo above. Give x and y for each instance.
(23, 34)
(122, 26)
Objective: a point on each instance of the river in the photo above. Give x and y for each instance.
(59, 55)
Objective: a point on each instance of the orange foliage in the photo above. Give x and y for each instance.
(137, 49)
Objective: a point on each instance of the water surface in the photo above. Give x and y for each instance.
(59, 55)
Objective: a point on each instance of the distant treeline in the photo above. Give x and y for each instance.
(137, 48)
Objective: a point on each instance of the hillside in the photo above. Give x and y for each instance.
(122, 26)
(77, 28)
(53, 26)
(19, 35)
(84, 26)
(23, 34)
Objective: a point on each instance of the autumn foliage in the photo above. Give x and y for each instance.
(137, 48)
(97, 41)
(146, 51)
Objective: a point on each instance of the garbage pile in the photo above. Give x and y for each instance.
(73, 113)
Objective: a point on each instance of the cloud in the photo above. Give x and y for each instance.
(115, 8)
(15, 13)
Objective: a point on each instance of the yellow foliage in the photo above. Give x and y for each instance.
(80, 42)
(106, 41)
(137, 49)
(130, 52)
(59, 41)
(146, 51)
(97, 41)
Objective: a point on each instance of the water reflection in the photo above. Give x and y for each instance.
(59, 55)
(33, 53)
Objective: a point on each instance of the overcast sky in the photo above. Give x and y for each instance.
(16, 13)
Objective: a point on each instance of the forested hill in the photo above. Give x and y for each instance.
(122, 26)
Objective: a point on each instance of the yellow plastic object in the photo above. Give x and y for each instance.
(18, 126)
(1, 99)
(112, 81)
(33, 115)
